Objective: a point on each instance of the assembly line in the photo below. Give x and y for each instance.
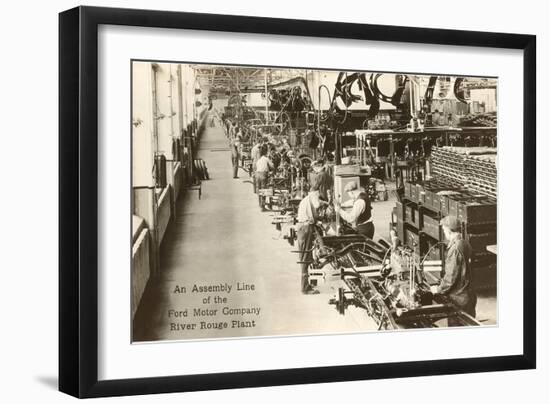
(314, 202)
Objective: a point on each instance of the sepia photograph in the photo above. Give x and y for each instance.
(273, 201)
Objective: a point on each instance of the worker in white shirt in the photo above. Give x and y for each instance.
(255, 156)
(308, 212)
(263, 167)
(360, 217)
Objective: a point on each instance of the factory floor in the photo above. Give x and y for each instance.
(224, 240)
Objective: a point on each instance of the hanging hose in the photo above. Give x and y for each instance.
(345, 103)
(370, 98)
(459, 92)
(329, 103)
(341, 89)
(374, 85)
(318, 134)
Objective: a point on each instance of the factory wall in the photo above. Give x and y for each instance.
(164, 115)
(486, 96)
(140, 267)
(142, 124)
(164, 213)
(188, 86)
(158, 124)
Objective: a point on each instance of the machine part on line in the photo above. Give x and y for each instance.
(398, 296)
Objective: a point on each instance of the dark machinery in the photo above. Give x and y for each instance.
(288, 184)
(396, 293)
(388, 282)
(391, 283)
(327, 254)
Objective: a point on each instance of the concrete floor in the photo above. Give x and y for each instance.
(224, 238)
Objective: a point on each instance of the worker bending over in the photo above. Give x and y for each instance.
(360, 217)
(456, 279)
(308, 215)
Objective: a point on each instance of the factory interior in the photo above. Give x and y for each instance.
(309, 202)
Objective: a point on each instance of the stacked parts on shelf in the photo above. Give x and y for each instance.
(425, 203)
(482, 174)
(463, 185)
(471, 167)
(448, 165)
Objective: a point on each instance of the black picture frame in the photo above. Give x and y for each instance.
(78, 200)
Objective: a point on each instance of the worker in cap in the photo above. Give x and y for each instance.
(360, 216)
(456, 279)
(451, 222)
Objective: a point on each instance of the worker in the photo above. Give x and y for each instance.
(255, 156)
(263, 167)
(290, 158)
(235, 155)
(360, 217)
(274, 157)
(322, 174)
(232, 130)
(456, 279)
(227, 127)
(308, 214)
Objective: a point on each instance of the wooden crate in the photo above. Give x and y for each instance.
(412, 215)
(430, 226)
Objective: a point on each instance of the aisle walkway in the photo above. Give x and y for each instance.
(222, 239)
